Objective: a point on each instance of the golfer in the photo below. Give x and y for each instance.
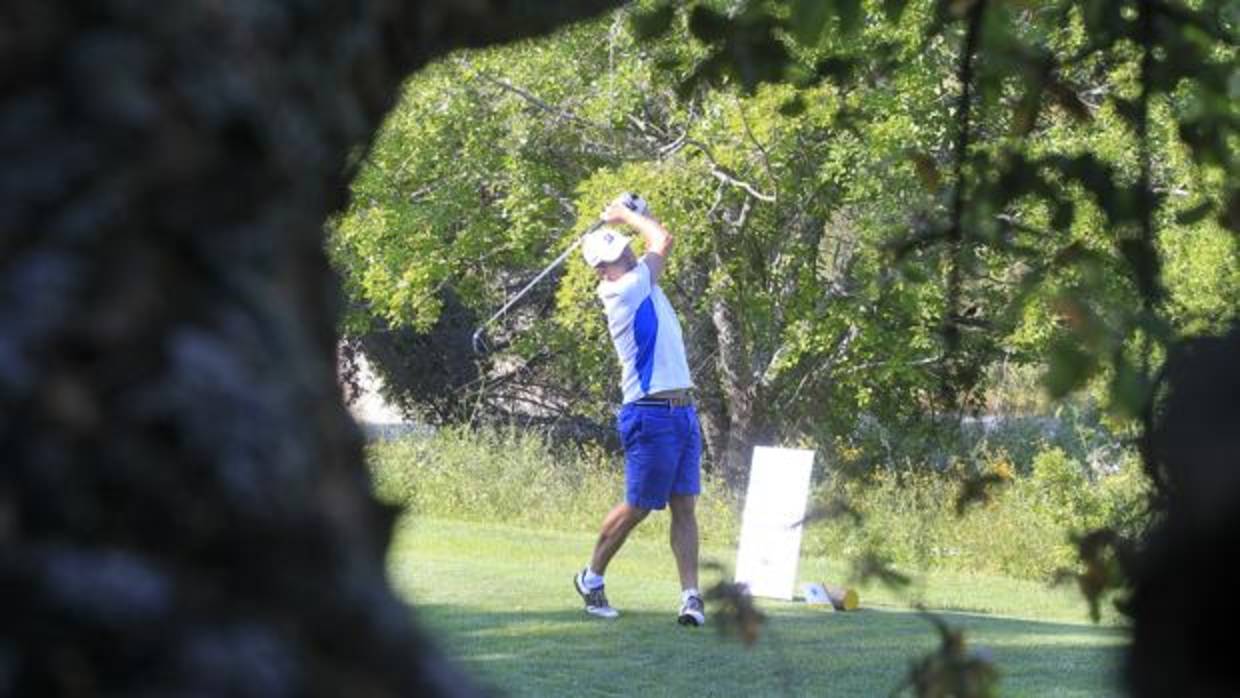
(657, 423)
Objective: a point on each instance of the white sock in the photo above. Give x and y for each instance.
(684, 595)
(592, 580)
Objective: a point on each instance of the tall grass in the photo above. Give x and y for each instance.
(1022, 531)
(519, 477)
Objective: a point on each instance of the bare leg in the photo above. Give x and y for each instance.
(685, 538)
(616, 526)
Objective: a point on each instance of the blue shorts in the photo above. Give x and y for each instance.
(662, 453)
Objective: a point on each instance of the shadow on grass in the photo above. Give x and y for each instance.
(801, 652)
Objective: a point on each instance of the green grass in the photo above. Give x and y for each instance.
(498, 599)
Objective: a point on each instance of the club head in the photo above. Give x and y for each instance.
(480, 342)
(635, 203)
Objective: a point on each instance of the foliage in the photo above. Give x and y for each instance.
(417, 376)
(953, 670)
(1022, 529)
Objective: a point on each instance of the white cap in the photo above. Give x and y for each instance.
(603, 245)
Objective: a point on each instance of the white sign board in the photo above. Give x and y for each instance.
(770, 544)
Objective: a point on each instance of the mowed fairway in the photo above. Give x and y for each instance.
(499, 600)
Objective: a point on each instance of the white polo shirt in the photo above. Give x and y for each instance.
(646, 333)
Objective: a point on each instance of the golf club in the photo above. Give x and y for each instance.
(632, 201)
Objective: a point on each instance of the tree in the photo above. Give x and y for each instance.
(183, 503)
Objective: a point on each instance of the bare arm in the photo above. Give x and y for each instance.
(658, 240)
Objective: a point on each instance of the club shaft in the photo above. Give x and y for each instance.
(558, 260)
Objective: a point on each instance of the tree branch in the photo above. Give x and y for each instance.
(535, 101)
(766, 160)
(724, 175)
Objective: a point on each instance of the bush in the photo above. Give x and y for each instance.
(1023, 530)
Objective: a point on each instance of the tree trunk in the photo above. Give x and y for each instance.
(183, 502)
(738, 387)
(701, 347)
(713, 417)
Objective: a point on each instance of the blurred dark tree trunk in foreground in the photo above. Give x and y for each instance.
(1184, 602)
(183, 504)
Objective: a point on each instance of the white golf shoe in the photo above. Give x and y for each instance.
(692, 612)
(596, 600)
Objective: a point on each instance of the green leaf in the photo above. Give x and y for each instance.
(872, 566)
(1195, 214)
(808, 19)
(708, 25)
(1145, 264)
(849, 12)
(1025, 114)
(1128, 110)
(894, 9)
(839, 70)
(793, 107)
(1230, 219)
(707, 71)
(1067, 97)
(958, 8)
(914, 273)
(1158, 328)
(978, 490)
(1069, 368)
(667, 64)
(653, 23)
(1130, 389)
(927, 169)
(1063, 215)
(1098, 178)
(1088, 329)
(1103, 17)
